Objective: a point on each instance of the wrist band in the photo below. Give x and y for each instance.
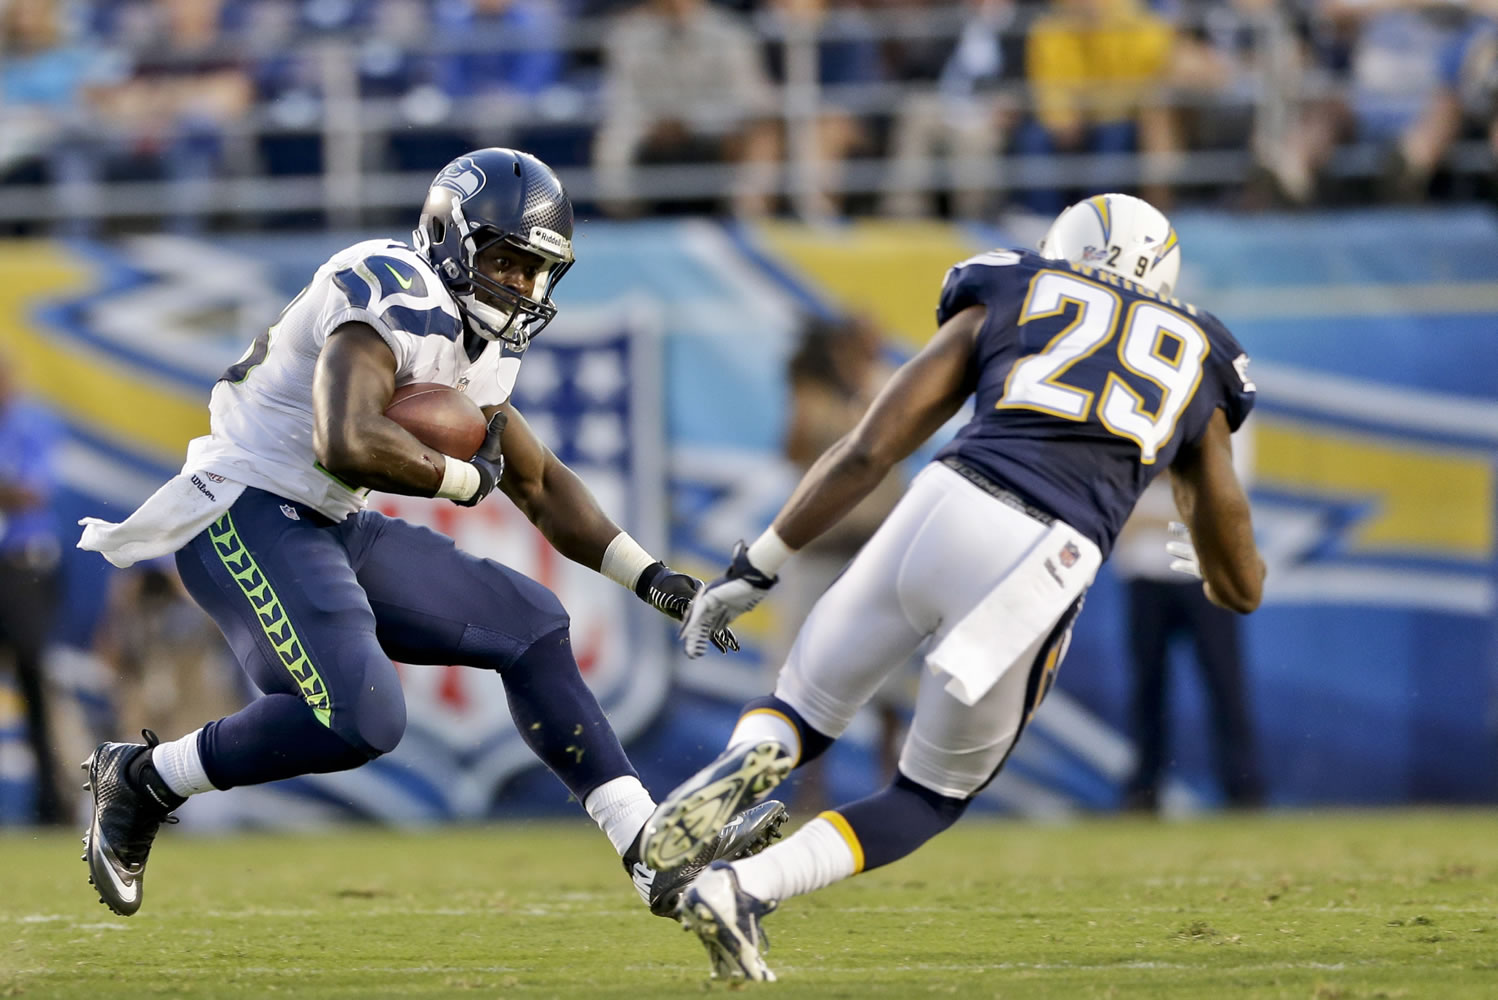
(460, 480)
(769, 552)
(624, 560)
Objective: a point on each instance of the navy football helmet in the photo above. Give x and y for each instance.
(491, 196)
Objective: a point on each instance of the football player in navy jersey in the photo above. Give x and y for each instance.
(316, 594)
(1088, 378)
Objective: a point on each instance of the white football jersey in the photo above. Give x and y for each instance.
(261, 408)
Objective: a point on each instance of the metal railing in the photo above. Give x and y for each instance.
(355, 180)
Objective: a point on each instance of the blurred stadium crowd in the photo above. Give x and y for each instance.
(309, 112)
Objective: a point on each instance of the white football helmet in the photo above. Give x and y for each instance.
(1121, 234)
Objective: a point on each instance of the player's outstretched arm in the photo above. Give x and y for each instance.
(921, 396)
(558, 503)
(351, 436)
(924, 394)
(552, 496)
(1216, 510)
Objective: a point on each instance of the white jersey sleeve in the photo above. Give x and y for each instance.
(398, 294)
(261, 408)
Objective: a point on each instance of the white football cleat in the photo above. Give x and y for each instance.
(726, 920)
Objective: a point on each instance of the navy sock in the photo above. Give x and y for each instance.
(813, 743)
(892, 823)
(559, 718)
(271, 738)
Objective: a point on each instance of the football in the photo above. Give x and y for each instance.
(440, 417)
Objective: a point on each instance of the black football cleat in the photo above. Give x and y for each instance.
(124, 824)
(704, 804)
(749, 832)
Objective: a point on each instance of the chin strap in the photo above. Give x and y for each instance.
(491, 324)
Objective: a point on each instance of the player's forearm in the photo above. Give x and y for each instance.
(377, 453)
(1230, 561)
(564, 510)
(351, 436)
(833, 486)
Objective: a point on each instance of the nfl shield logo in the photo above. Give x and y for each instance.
(290, 512)
(1069, 554)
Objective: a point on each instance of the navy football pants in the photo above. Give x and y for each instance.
(315, 611)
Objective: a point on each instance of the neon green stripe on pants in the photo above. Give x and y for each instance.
(273, 619)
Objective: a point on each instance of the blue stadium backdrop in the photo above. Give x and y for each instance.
(1373, 337)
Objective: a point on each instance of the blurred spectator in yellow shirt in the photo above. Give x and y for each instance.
(1094, 67)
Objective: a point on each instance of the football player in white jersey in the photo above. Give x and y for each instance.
(316, 594)
(1088, 378)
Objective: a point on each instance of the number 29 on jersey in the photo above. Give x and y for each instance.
(1154, 342)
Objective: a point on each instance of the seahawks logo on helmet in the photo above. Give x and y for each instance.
(462, 176)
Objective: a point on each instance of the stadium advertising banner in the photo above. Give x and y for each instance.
(662, 382)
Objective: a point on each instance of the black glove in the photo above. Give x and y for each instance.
(489, 460)
(671, 593)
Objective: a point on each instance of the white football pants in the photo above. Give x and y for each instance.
(944, 547)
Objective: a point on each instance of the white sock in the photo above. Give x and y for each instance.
(180, 766)
(620, 807)
(814, 857)
(763, 724)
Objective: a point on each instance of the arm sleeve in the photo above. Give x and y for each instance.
(401, 301)
(1229, 364)
(978, 281)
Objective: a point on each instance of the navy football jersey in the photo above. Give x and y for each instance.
(1087, 384)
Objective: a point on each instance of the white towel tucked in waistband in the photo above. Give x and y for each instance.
(990, 639)
(169, 519)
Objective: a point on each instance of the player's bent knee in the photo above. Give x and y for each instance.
(545, 617)
(955, 772)
(551, 654)
(945, 809)
(374, 740)
(376, 727)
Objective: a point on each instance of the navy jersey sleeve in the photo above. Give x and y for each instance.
(977, 281)
(1228, 365)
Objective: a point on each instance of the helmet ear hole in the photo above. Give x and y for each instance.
(439, 230)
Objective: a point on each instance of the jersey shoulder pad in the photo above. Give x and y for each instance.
(396, 285)
(979, 280)
(1222, 338)
(1230, 362)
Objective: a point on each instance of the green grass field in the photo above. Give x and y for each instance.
(1326, 906)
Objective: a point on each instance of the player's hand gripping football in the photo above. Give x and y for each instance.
(669, 592)
(489, 460)
(720, 602)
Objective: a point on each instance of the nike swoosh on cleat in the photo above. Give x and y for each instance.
(644, 878)
(127, 887)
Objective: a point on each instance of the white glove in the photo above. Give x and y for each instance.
(720, 602)
(1182, 552)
